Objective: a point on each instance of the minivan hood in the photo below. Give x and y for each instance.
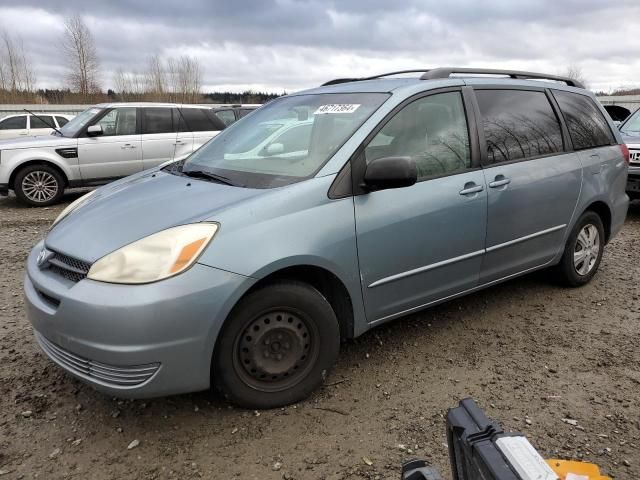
(37, 142)
(631, 139)
(138, 206)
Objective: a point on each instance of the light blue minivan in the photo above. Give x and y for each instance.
(317, 217)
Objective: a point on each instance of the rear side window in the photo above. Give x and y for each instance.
(197, 120)
(157, 120)
(14, 123)
(62, 121)
(586, 124)
(45, 121)
(243, 112)
(518, 124)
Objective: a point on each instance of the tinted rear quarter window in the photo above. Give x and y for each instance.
(14, 123)
(157, 120)
(227, 116)
(518, 124)
(197, 120)
(587, 126)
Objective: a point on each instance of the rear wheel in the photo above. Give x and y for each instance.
(38, 185)
(583, 251)
(276, 346)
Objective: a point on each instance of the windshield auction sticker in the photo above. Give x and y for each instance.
(337, 108)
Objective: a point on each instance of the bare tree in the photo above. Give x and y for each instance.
(178, 79)
(16, 75)
(156, 77)
(82, 59)
(184, 78)
(130, 85)
(574, 72)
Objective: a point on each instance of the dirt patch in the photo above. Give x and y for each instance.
(531, 353)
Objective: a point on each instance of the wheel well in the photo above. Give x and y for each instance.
(327, 284)
(12, 177)
(604, 213)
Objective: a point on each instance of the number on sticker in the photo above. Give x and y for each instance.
(337, 108)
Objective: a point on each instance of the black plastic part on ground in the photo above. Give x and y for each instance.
(418, 470)
(471, 436)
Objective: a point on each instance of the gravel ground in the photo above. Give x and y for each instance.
(531, 353)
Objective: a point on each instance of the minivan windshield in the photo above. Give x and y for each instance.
(78, 122)
(285, 141)
(632, 125)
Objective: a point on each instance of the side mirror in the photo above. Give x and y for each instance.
(390, 172)
(94, 130)
(274, 149)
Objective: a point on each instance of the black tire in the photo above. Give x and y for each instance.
(276, 346)
(569, 272)
(52, 187)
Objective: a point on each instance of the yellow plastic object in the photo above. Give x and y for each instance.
(570, 470)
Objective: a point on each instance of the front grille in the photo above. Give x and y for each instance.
(117, 376)
(68, 267)
(634, 156)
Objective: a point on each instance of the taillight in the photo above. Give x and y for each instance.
(625, 152)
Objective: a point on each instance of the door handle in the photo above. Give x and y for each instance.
(179, 142)
(470, 188)
(127, 145)
(500, 181)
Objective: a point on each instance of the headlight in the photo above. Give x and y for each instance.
(155, 257)
(72, 206)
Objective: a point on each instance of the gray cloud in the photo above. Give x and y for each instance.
(291, 44)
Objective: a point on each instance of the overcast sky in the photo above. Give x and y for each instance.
(289, 45)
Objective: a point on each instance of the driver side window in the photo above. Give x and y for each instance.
(119, 121)
(432, 130)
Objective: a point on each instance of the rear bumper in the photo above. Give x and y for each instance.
(132, 341)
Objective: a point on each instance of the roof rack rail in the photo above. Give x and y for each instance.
(361, 79)
(446, 72)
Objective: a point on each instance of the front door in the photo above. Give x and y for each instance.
(423, 243)
(116, 152)
(533, 184)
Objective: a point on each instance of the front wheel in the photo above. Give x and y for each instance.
(583, 251)
(38, 185)
(276, 346)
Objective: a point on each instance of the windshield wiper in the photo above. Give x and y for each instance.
(209, 176)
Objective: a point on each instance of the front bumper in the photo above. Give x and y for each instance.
(132, 341)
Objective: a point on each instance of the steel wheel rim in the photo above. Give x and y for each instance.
(39, 186)
(275, 350)
(586, 250)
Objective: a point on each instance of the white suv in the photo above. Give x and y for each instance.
(103, 143)
(23, 125)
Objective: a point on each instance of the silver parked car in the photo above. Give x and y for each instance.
(103, 143)
(630, 130)
(246, 271)
(29, 125)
